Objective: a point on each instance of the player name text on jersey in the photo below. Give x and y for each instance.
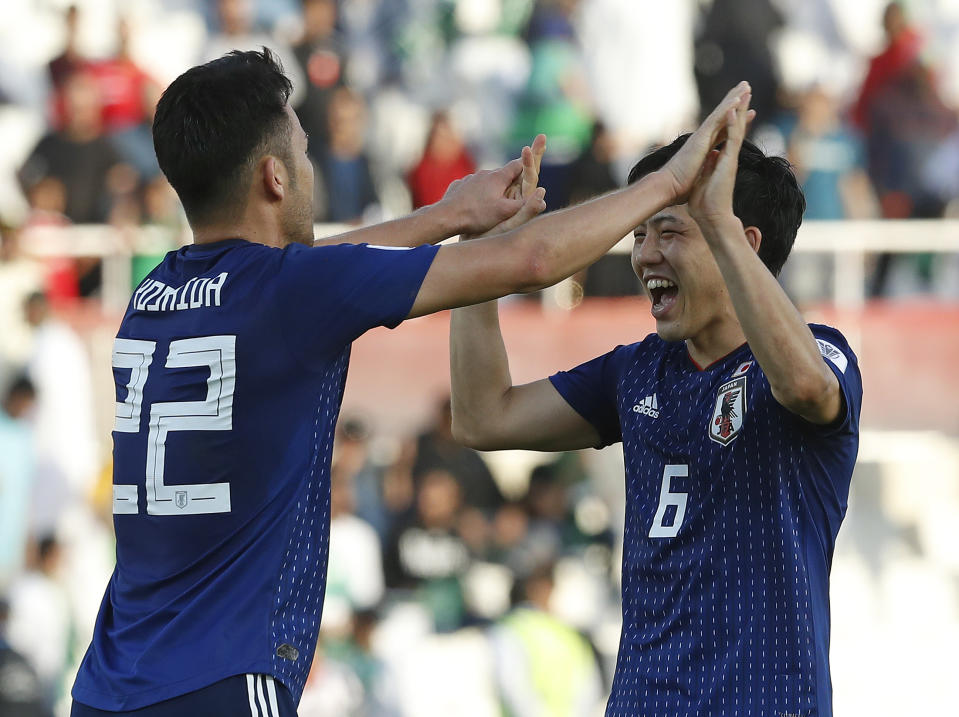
(197, 293)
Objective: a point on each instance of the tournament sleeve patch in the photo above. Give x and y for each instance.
(834, 355)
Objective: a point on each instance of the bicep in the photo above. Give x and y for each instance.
(822, 408)
(536, 417)
(473, 272)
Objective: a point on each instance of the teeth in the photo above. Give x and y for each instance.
(659, 284)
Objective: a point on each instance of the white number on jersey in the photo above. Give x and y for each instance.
(215, 413)
(668, 498)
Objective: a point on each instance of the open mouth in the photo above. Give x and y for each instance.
(663, 293)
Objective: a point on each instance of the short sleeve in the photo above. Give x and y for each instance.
(840, 358)
(329, 296)
(590, 389)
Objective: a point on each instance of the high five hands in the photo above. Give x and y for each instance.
(711, 197)
(524, 187)
(729, 117)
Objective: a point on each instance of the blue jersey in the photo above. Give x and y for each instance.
(230, 364)
(732, 508)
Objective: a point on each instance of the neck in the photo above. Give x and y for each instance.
(715, 341)
(254, 226)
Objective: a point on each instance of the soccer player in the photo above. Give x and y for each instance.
(739, 425)
(230, 363)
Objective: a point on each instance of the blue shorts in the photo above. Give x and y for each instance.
(237, 696)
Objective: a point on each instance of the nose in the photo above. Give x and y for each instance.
(647, 252)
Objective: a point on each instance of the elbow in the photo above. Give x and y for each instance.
(466, 434)
(811, 397)
(538, 267)
(472, 436)
(461, 434)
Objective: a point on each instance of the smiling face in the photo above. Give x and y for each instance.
(680, 276)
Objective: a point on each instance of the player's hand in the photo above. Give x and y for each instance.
(684, 167)
(524, 187)
(479, 202)
(711, 198)
(532, 158)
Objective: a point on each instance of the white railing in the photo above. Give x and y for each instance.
(848, 241)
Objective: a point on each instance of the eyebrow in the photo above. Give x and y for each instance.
(659, 219)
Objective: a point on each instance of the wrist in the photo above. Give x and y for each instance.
(717, 228)
(445, 219)
(659, 187)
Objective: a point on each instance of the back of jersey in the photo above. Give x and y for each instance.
(229, 367)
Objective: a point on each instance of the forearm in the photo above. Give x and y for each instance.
(775, 330)
(427, 225)
(566, 241)
(479, 370)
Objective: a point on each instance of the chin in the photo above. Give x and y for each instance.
(670, 331)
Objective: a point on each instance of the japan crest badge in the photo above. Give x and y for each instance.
(728, 412)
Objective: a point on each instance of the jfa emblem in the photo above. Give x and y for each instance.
(181, 499)
(728, 412)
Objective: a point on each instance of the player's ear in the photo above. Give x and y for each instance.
(273, 177)
(754, 237)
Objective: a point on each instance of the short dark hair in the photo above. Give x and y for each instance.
(766, 196)
(214, 122)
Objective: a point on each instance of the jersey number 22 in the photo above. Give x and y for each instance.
(214, 414)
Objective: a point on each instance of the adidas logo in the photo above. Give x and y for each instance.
(648, 407)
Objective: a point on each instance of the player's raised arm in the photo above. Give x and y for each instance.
(488, 411)
(777, 334)
(532, 416)
(472, 205)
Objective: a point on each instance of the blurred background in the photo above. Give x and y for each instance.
(464, 583)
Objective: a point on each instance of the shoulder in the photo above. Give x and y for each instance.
(833, 346)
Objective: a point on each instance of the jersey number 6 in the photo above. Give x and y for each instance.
(214, 414)
(668, 498)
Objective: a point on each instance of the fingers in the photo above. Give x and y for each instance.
(717, 123)
(738, 118)
(538, 149)
(532, 207)
(511, 170)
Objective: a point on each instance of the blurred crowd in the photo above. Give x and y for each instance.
(400, 98)
(439, 566)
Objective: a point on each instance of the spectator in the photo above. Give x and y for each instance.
(129, 99)
(592, 175)
(436, 449)
(321, 56)
(39, 625)
(237, 32)
(19, 277)
(351, 452)
(20, 691)
(355, 574)
(66, 447)
(79, 156)
(426, 553)
(829, 161)
(16, 475)
(908, 125)
(735, 43)
(544, 668)
(344, 167)
(830, 164)
(903, 44)
(66, 64)
(445, 159)
(557, 101)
